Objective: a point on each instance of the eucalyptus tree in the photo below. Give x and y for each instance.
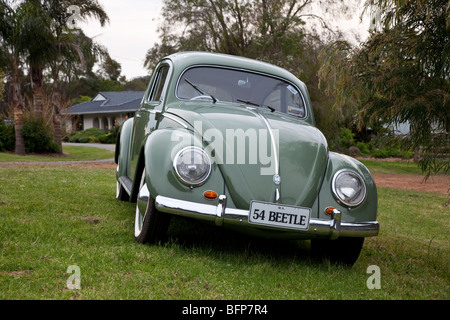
(2, 84)
(400, 74)
(270, 30)
(282, 32)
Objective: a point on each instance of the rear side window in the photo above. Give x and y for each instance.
(159, 85)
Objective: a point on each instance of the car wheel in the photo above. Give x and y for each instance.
(150, 225)
(343, 251)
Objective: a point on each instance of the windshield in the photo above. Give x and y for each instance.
(238, 86)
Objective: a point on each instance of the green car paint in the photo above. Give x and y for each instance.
(166, 126)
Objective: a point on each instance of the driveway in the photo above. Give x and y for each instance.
(110, 147)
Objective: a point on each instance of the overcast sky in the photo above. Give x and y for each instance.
(132, 31)
(129, 34)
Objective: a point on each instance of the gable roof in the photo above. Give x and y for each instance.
(109, 102)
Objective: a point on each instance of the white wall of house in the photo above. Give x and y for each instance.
(103, 121)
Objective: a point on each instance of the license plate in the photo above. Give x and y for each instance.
(279, 215)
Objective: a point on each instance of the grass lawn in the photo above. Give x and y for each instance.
(392, 167)
(55, 217)
(70, 153)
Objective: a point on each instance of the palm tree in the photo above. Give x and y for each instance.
(35, 31)
(12, 52)
(50, 18)
(38, 41)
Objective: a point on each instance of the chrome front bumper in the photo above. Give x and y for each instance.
(220, 215)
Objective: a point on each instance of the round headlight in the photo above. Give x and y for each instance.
(349, 187)
(192, 166)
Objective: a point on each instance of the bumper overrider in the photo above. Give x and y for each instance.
(219, 214)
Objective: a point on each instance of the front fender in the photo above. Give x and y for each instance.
(367, 211)
(159, 151)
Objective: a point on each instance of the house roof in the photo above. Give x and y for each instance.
(109, 102)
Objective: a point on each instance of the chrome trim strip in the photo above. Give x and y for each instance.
(273, 142)
(220, 215)
(274, 148)
(277, 195)
(177, 120)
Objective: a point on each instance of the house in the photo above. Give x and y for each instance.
(105, 110)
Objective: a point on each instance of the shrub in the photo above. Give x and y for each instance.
(388, 152)
(87, 136)
(384, 146)
(363, 147)
(107, 138)
(346, 138)
(94, 135)
(38, 137)
(7, 136)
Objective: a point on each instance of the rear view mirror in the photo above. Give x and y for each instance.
(244, 84)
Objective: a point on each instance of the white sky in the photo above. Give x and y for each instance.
(129, 34)
(132, 30)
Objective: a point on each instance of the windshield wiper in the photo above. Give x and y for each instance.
(201, 91)
(255, 104)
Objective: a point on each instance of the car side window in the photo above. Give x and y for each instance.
(159, 85)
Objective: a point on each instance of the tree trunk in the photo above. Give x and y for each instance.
(38, 90)
(18, 111)
(57, 132)
(18, 121)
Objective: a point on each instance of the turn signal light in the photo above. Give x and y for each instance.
(329, 210)
(211, 195)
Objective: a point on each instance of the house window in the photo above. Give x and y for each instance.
(96, 123)
(105, 124)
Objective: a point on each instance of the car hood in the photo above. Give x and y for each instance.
(249, 171)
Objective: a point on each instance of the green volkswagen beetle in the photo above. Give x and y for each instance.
(232, 141)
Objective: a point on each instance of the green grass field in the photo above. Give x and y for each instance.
(55, 217)
(70, 153)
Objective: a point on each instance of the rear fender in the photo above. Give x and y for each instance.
(123, 148)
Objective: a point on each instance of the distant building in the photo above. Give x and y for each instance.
(402, 128)
(105, 110)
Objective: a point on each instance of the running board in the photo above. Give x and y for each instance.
(126, 183)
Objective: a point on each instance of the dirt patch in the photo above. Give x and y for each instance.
(17, 273)
(91, 220)
(436, 184)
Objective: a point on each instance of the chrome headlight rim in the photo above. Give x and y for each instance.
(355, 174)
(205, 175)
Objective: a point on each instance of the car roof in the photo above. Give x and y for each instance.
(182, 60)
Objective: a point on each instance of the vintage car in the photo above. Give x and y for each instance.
(232, 141)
